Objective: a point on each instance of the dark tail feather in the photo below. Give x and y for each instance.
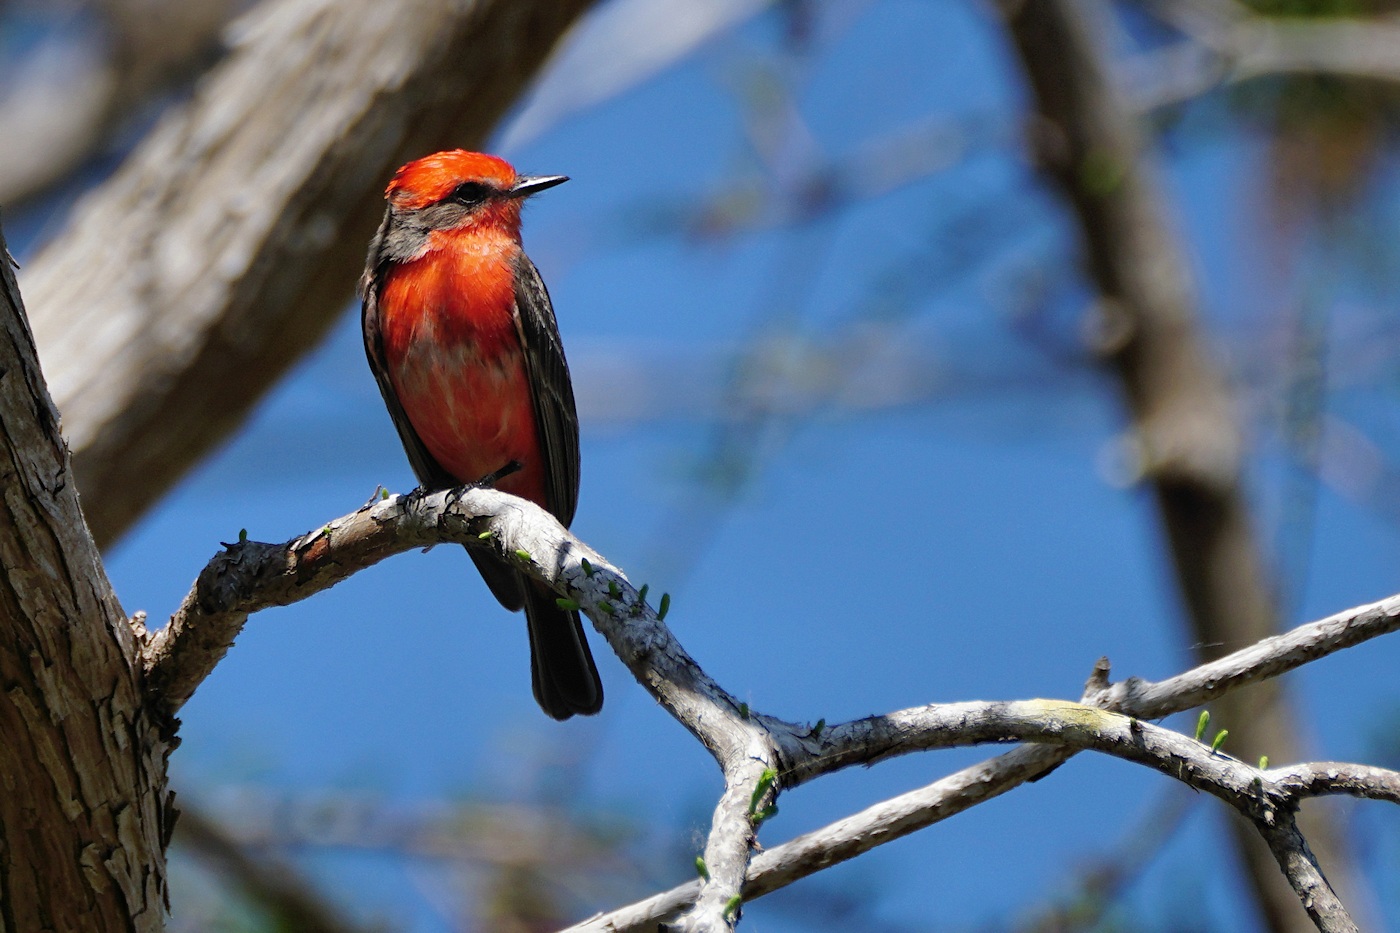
(504, 582)
(561, 667)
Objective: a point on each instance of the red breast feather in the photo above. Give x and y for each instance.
(454, 357)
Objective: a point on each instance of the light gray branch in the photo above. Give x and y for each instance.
(733, 832)
(1187, 447)
(1320, 778)
(1267, 658)
(1226, 44)
(866, 740)
(899, 816)
(1246, 45)
(1300, 867)
(248, 576)
(1268, 798)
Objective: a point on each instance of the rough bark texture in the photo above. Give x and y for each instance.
(1188, 446)
(232, 237)
(83, 810)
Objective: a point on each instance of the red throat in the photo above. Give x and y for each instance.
(454, 357)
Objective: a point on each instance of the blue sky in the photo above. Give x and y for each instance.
(962, 543)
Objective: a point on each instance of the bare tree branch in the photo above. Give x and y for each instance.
(243, 219)
(1267, 658)
(248, 576)
(761, 755)
(779, 866)
(1316, 779)
(1300, 867)
(1360, 48)
(1228, 44)
(1260, 796)
(1188, 447)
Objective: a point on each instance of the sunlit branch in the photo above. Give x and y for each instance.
(761, 755)
(248, 576)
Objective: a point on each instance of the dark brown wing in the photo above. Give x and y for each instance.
(563, 674)
(555, 417)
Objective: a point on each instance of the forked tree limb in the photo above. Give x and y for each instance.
(1187, 448)
(762, 755)
(779, 866)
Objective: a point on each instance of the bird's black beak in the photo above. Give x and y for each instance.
(527, 185)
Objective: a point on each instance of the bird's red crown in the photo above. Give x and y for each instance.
(430, 179)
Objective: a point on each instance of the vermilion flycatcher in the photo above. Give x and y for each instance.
(462, 340)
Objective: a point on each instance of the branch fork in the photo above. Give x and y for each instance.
(761, 756)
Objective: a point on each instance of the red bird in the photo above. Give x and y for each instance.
(462, 340)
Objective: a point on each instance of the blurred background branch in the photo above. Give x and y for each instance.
(274, 886)
(1185, 444)
(76, 91)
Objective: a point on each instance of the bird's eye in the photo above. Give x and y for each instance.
(470, 192)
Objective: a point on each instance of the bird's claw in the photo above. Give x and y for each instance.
(491, 479)
(486, 482)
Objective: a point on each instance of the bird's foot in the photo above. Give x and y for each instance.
(491, 479)
(486, 482)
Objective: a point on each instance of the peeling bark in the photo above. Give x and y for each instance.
(84, 815)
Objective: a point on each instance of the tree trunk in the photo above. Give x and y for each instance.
(84, 813)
